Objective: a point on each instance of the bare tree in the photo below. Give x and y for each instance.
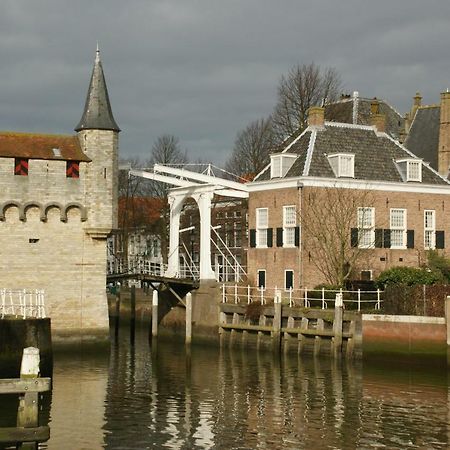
(165, 150)
(337, 229)
(304, 86)
(252, 148)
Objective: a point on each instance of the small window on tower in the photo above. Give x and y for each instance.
(72, 169)
(21, 166)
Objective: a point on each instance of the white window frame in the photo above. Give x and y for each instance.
(398, 227)
(280, 164)
(285, 279)
(429, 230)
(370, 271)
(366, 228)
(289, 226)
(410, 171)
(337, 164)
(261, 228)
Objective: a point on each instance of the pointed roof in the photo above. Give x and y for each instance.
(97, 113)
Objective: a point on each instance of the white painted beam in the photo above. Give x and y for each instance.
(200, 177)
(162, 178)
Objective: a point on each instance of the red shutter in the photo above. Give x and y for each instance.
(73, 169)
(21, 166)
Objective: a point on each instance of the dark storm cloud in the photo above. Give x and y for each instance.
(203, 69)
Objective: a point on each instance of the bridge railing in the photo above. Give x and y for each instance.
(319, 298)
(22, 303)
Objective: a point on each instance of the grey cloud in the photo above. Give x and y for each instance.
(204, 69)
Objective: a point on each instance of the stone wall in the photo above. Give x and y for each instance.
(53, 233)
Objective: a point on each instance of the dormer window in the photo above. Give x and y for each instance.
(280, 164)
(414, 171)
(343, 164)
(410, 169)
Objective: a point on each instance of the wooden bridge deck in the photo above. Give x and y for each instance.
(151, 279)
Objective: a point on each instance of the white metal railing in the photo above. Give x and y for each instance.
(22, 303)
(230, 263)
(304, 297)
(136, 266)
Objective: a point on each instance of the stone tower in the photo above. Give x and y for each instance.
(98, 134)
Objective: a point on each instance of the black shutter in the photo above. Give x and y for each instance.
(297, 236)
(440, 239)
(378, 238)
(289, 279)
(269, 237)
(279, 237)
(252, 238)
(354, 237)
(410, 239)
(387, 238)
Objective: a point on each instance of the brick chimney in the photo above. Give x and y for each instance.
(316, 116)
(417, 102)
(376, 119)
(444, 135)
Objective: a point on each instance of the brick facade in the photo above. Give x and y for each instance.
(275, 260)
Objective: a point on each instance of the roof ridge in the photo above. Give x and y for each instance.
(350, 125)
(29, 133)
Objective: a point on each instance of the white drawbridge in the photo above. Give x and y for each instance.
(201, 187)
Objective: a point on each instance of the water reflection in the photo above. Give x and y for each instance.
(241, 399)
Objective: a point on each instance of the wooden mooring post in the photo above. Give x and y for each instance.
(276, 333)
(132, 314)
(155, 314)
(28, 432)
(117, 313)
(188, 318)
(337, 325)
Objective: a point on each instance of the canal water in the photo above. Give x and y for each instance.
(163, 398)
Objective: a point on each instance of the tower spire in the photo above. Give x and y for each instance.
(97, 113)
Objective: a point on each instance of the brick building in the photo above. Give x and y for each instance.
(58, 203)
(397, 205)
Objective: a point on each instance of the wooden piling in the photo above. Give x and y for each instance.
(188, 318)
(117, 314)
(276, 333)
(132, 314)
(27, 414)
(447, 317)
(337, 325)
(155, 314)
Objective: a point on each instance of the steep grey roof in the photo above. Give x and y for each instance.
(375, 154)
(356, 110)
(97, 113)
(423, 136)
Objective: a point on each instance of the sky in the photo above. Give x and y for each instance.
(202, 70)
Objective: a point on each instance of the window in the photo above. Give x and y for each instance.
(280, 164)
(288, 280)
(366, 275)
(343, 164)
(261, 278)
(366, 227)
(414, 171)
(429, 229)
(262, 224)
(275, 167)
(398, 228)
(72, 169)
(289, 223)
(21, 166)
